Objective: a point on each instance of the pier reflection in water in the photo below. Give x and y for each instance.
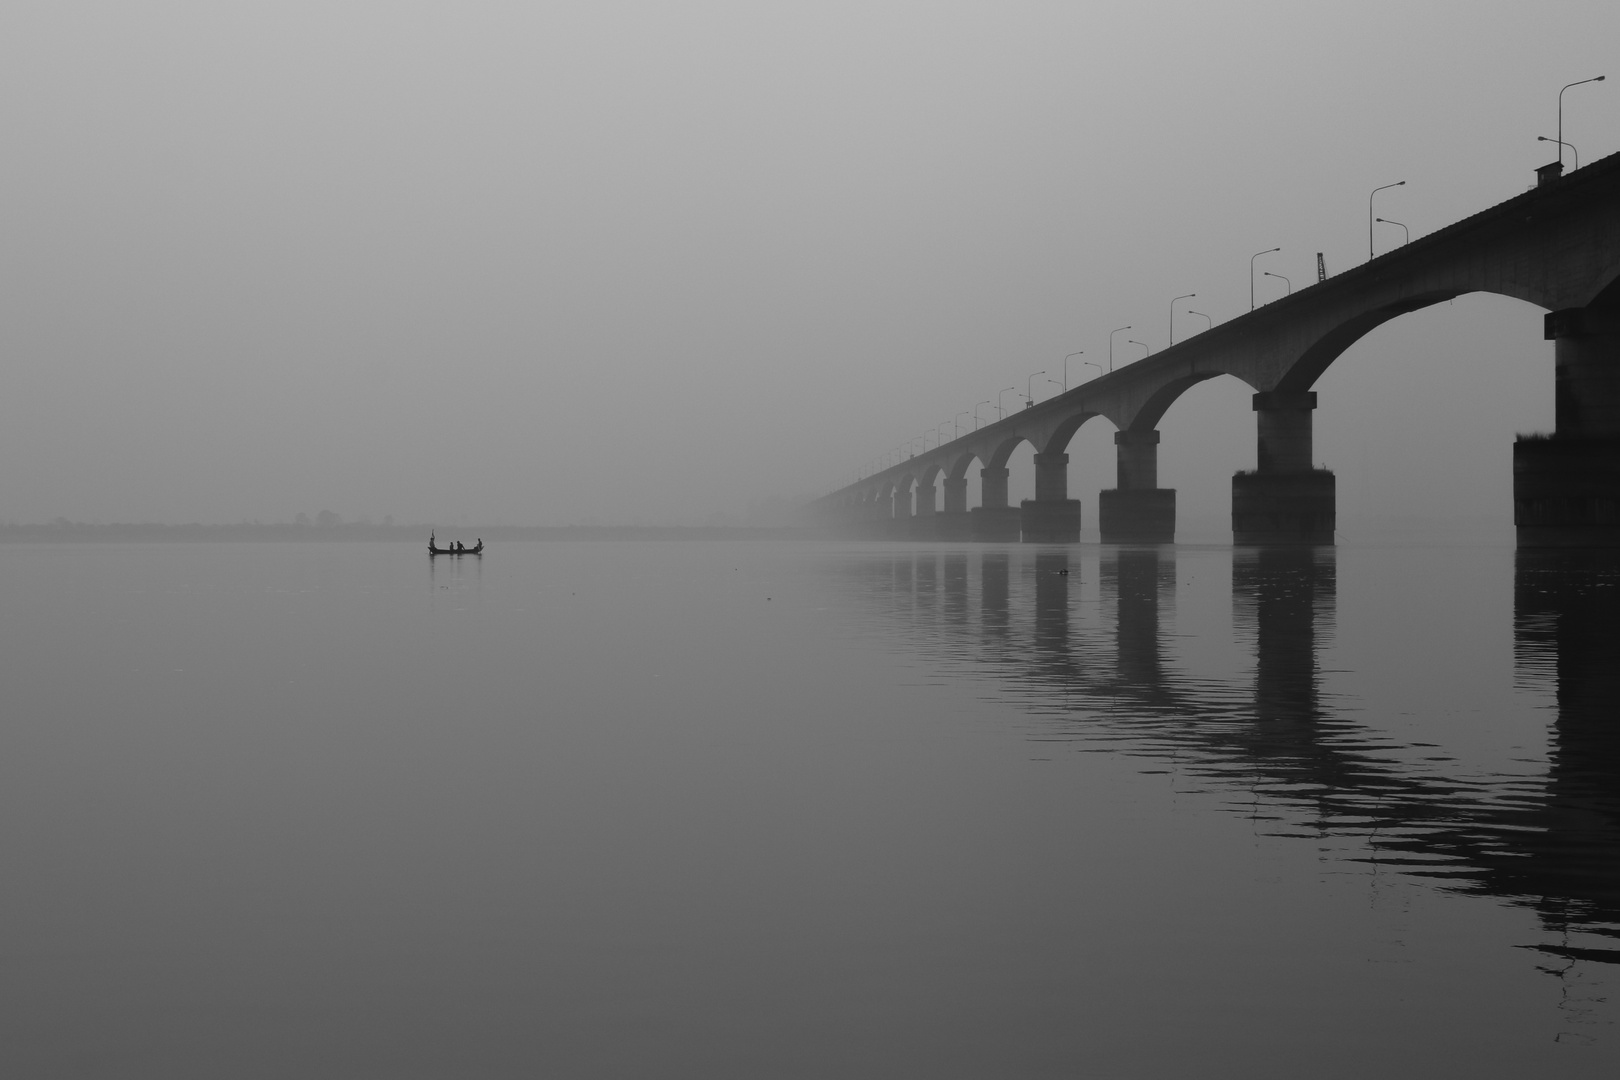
(1567, 633)
(1091, 642)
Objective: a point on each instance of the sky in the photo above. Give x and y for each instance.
(689, 263)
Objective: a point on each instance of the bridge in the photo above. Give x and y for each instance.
(1556, 246)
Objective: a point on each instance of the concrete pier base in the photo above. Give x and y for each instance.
(1055, 521)
(1141, 516)
(953, 525)
(996, 524)
(1566, 486)
(1566, 492)
(1283, 508)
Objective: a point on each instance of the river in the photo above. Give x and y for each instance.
(755, 809)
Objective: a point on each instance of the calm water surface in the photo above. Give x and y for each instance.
(778, 810)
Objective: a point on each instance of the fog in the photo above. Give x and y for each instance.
(682, 263)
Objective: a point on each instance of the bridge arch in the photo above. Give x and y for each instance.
(1316, 357)
(1158, 403)
(1004, 450)
(1608, 297)
(1058, 441)
(960, 465)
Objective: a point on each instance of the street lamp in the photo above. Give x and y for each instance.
(976, 414)
(1253, 257)
(1375, 191)
(939, 436)
(956, 433)
(1560, 139)
(1029, 383)
(1082, 352)
(1000, 412)
(1404, 229)
(1111, 346)
(1133, 341)
(1188, 296)
(1054, 382)
(1284, 280)
(1088, 363)
(1561, 144)
(1201, 315)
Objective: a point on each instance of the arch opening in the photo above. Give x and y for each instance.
(1418, 420)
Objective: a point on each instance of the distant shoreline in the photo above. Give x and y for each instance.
(77, 532)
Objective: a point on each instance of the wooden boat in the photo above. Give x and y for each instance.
(434, 549)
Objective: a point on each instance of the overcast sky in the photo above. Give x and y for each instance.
(609, 262)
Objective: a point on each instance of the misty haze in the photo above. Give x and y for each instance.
(865, 540)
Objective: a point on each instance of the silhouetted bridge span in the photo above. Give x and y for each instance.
(1556, 246)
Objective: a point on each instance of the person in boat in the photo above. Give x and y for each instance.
(480, 545)
(460, 547)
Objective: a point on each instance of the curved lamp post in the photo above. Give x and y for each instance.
(1111, 346)
(1253, 257)
(1284, 280)
(956, 432)
(1133, 341)
(1375, 191)
(1407, 232)
(939, 436)
(1029, 384)
(1082, 352)
(1088, 363)
(1560, 139)
(1561, 144)
(976, 413)
(1187, 296)
(1201, 315)
(1000, 412)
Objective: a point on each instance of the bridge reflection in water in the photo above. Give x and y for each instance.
(1090, 660)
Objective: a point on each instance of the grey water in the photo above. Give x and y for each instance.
(807, 810)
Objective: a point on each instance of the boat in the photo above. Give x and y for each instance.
(435, 549)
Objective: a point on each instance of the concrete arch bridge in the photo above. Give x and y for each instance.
(1556, 246)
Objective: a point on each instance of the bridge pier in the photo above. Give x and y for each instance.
(1285, 500)
(1566, 486)
(923, 520)
(900, 524)
(954, 522)
(1051, 517)
(1138, 510)
(993, 519)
